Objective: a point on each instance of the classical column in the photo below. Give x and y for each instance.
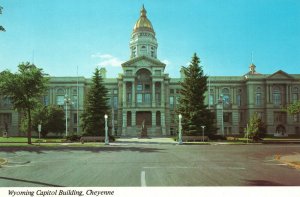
(124, 93)
(153, 93)
(133, 118)
(153, 118)
(124, 123)
(163, 122)
(268, 93)
(287, 94)
(133, 94)
(162, 85)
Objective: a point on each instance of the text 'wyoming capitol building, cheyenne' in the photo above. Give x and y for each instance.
(145, 93)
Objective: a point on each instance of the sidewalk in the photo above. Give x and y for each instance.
(152, 140)
(291, 160)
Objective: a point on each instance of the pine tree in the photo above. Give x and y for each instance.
(95, 108)
(191, 102)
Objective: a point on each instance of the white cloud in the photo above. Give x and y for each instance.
(165, 61)
(107, 60)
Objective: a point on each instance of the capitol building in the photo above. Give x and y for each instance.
(145, 94)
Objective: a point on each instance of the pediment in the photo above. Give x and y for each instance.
(280, 75)
(143, 61)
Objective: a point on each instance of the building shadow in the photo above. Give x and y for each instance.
(28, 181)
(263, 183)
(44, 149)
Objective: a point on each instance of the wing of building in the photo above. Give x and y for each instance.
(145, 96)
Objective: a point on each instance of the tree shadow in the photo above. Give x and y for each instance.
(28, 181)
(43, 149)
(263, 183)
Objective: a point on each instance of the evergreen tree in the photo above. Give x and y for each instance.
(191, 102)
(95, 108)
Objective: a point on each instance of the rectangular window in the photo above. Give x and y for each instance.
(157, 72)
(74, 101)
(239, 100)
(171, 91)
(129, 72)
(147, 98)
(280, 117)
(241, 118)
(60, 100)
(139, 98)
(147, 87)
(75, 118)
(139, 87)
(296, 117)
(211, 99)
(115, 91)
(276, 99)
(129, 97)
(46, 100)
(115, 102)
(227, 117)
(157, 97)
(5, 119)
(171, 102)
(295, 98)
(258, 99)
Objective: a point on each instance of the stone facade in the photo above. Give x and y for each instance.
(145, 96)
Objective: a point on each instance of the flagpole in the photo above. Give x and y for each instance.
(77, 103)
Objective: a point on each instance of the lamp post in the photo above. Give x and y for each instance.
(106, 130)
(67, 101)
(203, 127)
(180, 130)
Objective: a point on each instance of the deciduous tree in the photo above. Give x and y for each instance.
(25, 89)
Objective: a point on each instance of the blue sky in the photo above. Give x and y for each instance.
(59, 35)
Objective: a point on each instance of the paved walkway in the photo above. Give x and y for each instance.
(291, 160)
(154, 140)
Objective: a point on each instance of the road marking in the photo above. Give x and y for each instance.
(143, 179)
(187, 167)
(274, 164)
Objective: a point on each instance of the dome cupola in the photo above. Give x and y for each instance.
(143, 23)
(143, 41)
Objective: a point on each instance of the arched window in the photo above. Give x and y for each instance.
(225, 96)
(60, 91)
(143, 86)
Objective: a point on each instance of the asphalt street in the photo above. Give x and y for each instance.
(148, 165)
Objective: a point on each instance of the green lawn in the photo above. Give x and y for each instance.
(34, 140)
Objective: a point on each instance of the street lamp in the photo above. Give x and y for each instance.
(106, 132)
(203, 127)
(180, 130)
(67, 101)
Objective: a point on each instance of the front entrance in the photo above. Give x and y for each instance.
(280, 131)
(143, 116)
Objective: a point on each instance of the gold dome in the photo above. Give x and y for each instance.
(143, 23)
